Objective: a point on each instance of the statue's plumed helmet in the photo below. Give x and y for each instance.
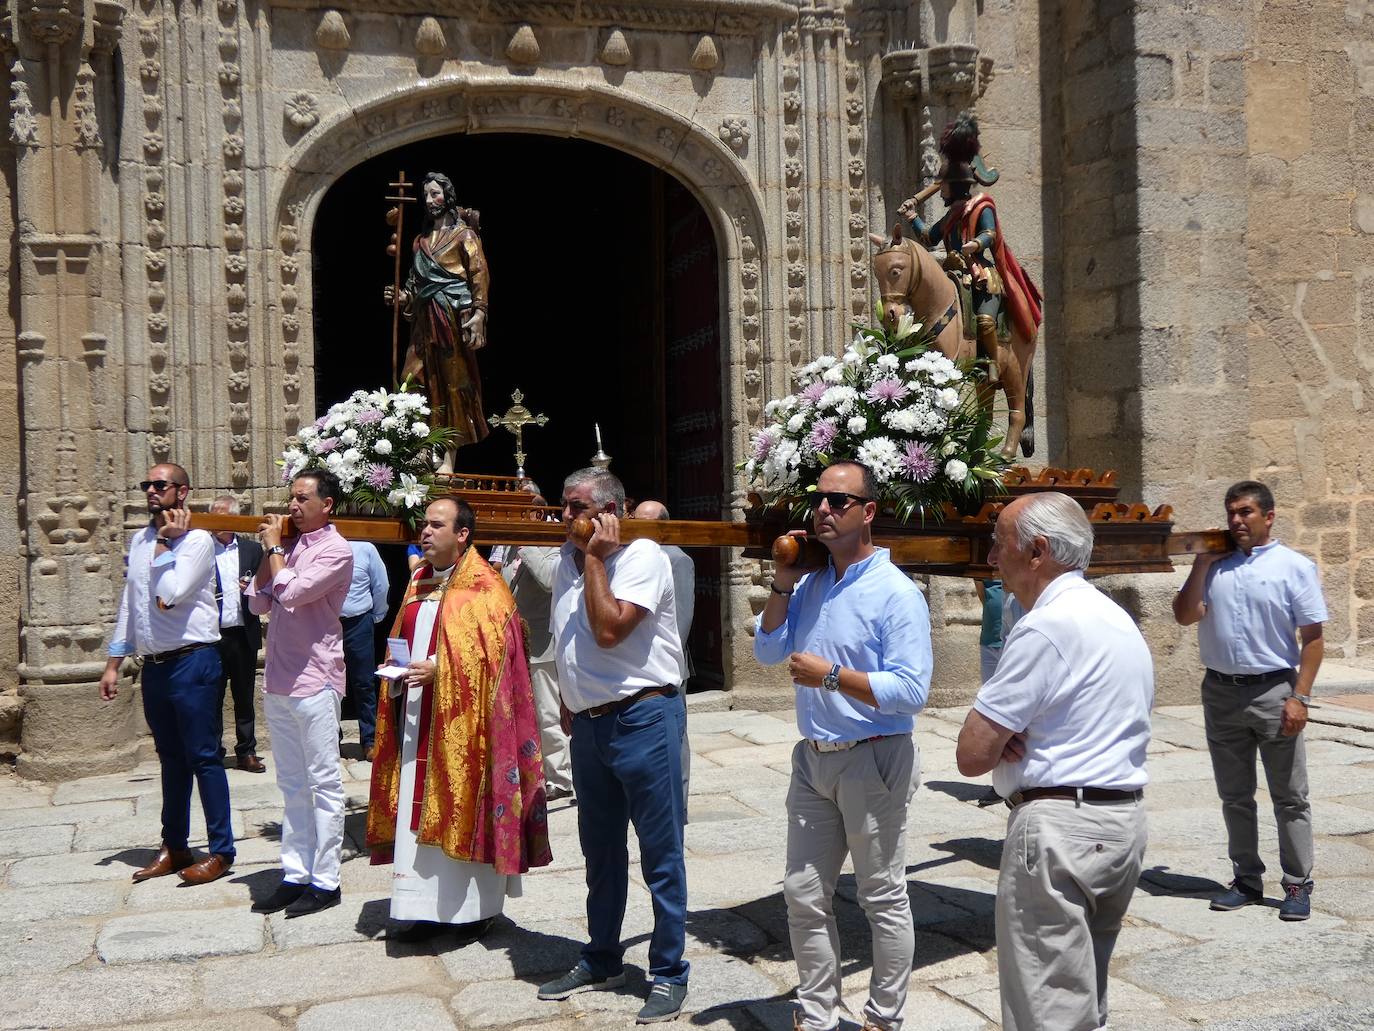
(959, 145)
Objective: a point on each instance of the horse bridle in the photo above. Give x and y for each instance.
(906, 246)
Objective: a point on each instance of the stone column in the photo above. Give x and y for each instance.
(69, 424)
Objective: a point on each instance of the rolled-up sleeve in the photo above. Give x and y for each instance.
(902, 684)
(121, 642)
(381, 585)
(184, 570)
(772, 648)
(313, 578)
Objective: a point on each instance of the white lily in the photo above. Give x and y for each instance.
(906, 325)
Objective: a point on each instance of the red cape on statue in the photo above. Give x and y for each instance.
(1022, 298)
(479, 788)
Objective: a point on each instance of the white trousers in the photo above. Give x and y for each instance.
(305, 745)
(1068, 872)
(552, 741)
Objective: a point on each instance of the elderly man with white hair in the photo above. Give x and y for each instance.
(1063, 725)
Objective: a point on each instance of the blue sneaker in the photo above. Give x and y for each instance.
(1297, 903)
(579, 979)
(1236, 897)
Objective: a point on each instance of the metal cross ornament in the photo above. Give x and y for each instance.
(517, 417)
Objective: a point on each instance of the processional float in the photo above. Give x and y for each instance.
(976, 307)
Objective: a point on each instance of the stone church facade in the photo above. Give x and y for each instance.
(1184, 181)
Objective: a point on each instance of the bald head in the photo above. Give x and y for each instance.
(650, 510)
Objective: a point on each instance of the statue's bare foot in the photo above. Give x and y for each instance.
(446, 466)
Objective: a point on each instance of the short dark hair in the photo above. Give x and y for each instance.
(1262, 495)
(870, 481)
(445, 184)
(464, 517)
(326, 485)
(185, 480)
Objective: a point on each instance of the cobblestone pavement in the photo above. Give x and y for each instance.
(80, 946)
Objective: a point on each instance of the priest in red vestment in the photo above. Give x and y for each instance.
(457, 800)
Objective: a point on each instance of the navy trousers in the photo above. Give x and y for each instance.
(360, 664)
(627, 767)
(181, 702)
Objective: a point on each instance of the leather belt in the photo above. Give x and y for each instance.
(176, 653)
(1249, 679)
(624, 703)
(1077, 794)
(843, 746)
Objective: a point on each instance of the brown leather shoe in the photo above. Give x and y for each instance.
(250, 763)
(169, 860)
(209, 869)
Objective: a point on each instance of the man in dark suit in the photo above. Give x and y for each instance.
(236, 560)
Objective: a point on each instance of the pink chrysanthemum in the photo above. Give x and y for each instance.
(889, 389)
(822, 435)
(321, 422)
(367, 416)
(763, 445)
(917, 461)
(812, 393)
(379, 477)
(326, 444)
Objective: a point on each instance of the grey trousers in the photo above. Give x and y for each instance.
(1068, 873)
(1241, 721)
(552, 741)
(853, 802)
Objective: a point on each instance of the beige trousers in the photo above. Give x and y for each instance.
(1068, 872)
(553, 743)
(854, 803)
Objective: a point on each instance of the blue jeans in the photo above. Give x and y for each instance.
(181, 702)
(627, 766)
(360, 663)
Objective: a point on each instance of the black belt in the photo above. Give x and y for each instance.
(625, 703)
(1086, 794)
(176, 653)
(1249, 679)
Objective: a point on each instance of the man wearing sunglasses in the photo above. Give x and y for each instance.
(856, 636)
(168, 615)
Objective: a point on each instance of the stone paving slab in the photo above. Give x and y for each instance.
(314, 975)
(23, 842)
(408, 1012)
(43, 947)
(181, 936)
(98, 997)
(77, 812)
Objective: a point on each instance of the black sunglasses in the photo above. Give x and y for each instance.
(158, 485)
(839, 500)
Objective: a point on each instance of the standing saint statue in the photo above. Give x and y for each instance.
(445, 300)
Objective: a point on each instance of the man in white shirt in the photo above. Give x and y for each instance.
(168, 615)
(619, 661)
(1253, 607)
(240, 634)
(1063, 724)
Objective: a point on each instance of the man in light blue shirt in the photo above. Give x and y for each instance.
(856, 636)
(364, 607)
(1259, 612)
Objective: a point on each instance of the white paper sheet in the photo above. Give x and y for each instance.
(400, 651)
(391, 672)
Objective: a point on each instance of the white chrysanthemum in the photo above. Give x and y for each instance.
(419, 429)
(382, 447)
(836, 396)
(389, 423)
(880, 455)
(825, 361)
(795, 423)
(333, 460)
(852, 357)
(352, 456)
(770, 410)
(956, 470)
(857, 424)
(306, 433)
(947, 398)
(888, 362)
(834, 374)
(904, 420)
(349, 436)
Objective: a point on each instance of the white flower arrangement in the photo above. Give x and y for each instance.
(893, 402)
(379, 446)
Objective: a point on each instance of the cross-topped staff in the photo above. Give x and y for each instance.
(517, 417)
(395, 216)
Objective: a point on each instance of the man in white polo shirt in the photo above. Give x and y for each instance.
(614, 625)
(1063, 725)
(1253, 607)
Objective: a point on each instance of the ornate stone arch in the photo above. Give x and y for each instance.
(550, 106)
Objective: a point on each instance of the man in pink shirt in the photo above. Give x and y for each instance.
(303, 586)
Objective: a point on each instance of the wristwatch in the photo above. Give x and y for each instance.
(831, 681)
(1306, 699)
(166, 542)
(276, 549)
(778, 590)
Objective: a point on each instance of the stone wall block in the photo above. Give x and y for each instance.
(1325, 515)
(107, 743)
(1364, 529)
(1226, 82)
(1179, 128)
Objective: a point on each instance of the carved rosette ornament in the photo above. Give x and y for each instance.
(735, 132)
(856, 118)
(154, 232)
(792, 185)
(288, 239)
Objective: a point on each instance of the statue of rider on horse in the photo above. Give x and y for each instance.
(999, 303)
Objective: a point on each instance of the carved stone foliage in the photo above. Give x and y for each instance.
(87, 123)
(23, 122)
(856, 118)
(735, 132)
(792, 185)
(154, 231)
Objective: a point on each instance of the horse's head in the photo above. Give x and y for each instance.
(897, 271)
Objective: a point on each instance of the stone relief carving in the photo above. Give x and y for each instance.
(429, 37)
(523, 47)
(616, 50)
(856, 117)
(23, 123)
(735, 132)
(332, 33)
(155, 257)
(705, 56)
(302, 112)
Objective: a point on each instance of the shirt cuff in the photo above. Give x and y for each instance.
(120, 649)
(770, 646)
(282, 579)
(167, 558)
(887, 691)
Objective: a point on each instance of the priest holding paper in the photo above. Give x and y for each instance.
(457, 800)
